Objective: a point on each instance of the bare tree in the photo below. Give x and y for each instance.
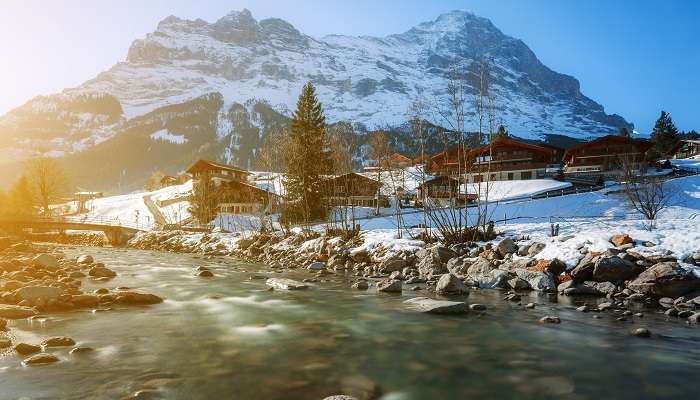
(47, 179)
(380, 152)
(343, 144)
(647, 194)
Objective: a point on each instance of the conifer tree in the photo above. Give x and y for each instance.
(307, 155)
(21, 198)
(502, 132)
(665, 135)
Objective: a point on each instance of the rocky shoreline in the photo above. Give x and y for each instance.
(38, 281)
(625, 274)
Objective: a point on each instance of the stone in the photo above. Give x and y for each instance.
(40, 359)
(16, 312)
(392, 265)
(584, 269)
(25, 349)
(340, 397)
(641, 332)
(85, 260)
(85, 300)
(136, 298)
(506, 246)
(360, 285)
(477, 307)
(432, 306)
(555, 266)
(5, 343)
(101, 272)
(549, 319)
(514, 297)
(620, 240)
(32, 293)
(605, 306)
(389, 286)
(539, 281)
(58, 341)
(519, 284)
(583, 308)
(694, 319)
(530, 305)
(450, 284)
(431, 266)
(3, 324)
(45, 261)
(666, 279)
(535, 249)
(81, 350)
(76, 275)
(316, 266)
(285, 284)
(205, 274)
(614, 269)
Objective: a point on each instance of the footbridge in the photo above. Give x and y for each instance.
(117, 232)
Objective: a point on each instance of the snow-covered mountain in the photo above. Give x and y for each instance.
(195, 87)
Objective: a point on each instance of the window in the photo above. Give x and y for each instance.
(526, 175)
(510, 176)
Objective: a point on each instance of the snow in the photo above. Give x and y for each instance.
(167, 136)
(508, 190)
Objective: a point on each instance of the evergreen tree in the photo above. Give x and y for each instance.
(624, 132)
(665, 135)
(502, 132)
(307, 156)
(205, 199)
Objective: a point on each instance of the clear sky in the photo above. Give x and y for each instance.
(635, 57)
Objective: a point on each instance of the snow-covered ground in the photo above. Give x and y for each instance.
(508, 190)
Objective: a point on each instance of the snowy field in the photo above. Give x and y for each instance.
(509, 190)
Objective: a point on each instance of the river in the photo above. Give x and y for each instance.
(228, 337)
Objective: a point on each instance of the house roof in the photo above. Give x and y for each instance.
(200, 165)
(495, 143)
(645, 144)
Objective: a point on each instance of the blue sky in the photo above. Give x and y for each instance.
(634, 57)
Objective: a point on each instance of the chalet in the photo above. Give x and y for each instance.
(443, 190)
(82, 199)
(502, 159)
(168, 180)
(686, 149)
(397, 160)
(217, 173)
(353, 189)
(231, 188)
(605, 156)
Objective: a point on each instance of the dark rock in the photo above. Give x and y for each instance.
(389, 286)
(81, 350)
(614, 269)
(58, 341)
(506, 246)
(26, 349)
(205, 274)
(16, 312)
(666, 279)
(550, 320)
(101, 272)
(477, 307)
(85, 260)
(40, 359)
(535, 249)
(432, 306)
(136, 298)
(641, 332)
(450, 284)
(360, 285)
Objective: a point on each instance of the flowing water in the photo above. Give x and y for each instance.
(228, 337)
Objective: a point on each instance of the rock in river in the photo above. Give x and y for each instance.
(85, 260)
(389, 286)
(41, 358)
(46, 261)
(16, 312)
(32, 293)
(101, 272)
(450, 284)
(136, 298)
(285, 284)
(58, 341)
(432, 306)
(666, 279)
(26, 349)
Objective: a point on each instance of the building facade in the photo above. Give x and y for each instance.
(605, 156)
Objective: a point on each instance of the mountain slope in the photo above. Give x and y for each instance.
(247, 64)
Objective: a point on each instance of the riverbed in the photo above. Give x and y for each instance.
(229, 337)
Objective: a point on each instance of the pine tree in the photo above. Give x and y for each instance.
(21, 199)
(502, 132)
(665, 135)
(624, 132)
(307, 156)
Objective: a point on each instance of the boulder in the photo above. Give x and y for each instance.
(204, 274)
(40, 359)
(101, 272)
(584, 269)
(285, 284)
(518, 284)
(431, 266)
(33, 293)
(3, 325)
(450, 284)
(24, 349)
(5, 343)
(85, 300)
(316, 266)
(666, 279)
(390, 286)
(136, 298)
(432, 306)
(535, 249)
(555, 266)
(620, 240)
(45, 261)
(493, 279)
(16, 312)
(360, 285)
(340, 397)
(85, 260)
(614, 269)
(506, 246)
(58, 341)
(540, 281)
(391, 265)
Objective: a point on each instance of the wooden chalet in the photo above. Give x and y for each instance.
(502, 159)
(168, 180)
(353, 189)
(218, 173)
(443, 190)
(605, 156)
(397, 160)
(687, 148)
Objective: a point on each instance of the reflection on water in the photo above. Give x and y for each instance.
(229, 337)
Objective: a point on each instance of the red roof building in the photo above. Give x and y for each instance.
(606, 155)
